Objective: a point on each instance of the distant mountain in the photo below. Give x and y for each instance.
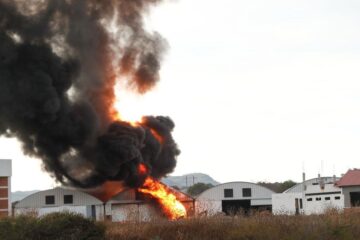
(188, 180)
(19, 195)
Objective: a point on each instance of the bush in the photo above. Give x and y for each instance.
(54, 226)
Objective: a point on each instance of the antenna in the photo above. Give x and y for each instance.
(322, 168)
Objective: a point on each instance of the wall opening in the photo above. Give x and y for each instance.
(232, 207)
(355, 199)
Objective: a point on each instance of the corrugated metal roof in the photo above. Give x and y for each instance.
(351, 178)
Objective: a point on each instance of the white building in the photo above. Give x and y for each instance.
(314, 196)
(5, 188)
(59, 200)
(233, 197)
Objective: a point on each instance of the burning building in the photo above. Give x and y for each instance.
(128, 205)
(60, 64)
(132, 205)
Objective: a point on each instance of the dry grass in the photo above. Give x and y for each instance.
(330, 226)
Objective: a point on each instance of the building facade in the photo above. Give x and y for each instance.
(313, 196)
(5, 188)
(60, 200)
(232, 198)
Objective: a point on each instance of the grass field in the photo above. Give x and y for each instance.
(331, 226)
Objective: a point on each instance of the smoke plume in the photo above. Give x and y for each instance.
(59, 62)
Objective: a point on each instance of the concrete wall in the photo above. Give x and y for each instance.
(138, 212)
(316, 200)
(284, 203)
(322, 205)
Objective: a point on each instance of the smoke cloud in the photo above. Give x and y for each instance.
(59, 62)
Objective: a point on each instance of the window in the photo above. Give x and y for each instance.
(327, 198)
(246, 192)
(337, 198)
(301, 204)
(49, 200)
(318, 199)
(68, 199)
(228, 193)
(309, 199)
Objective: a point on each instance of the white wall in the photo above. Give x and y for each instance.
(133, 212)
(284, 203)
(321, 206)
(207, 207)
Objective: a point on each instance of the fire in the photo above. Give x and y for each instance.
(172, 207)
(142, 169)
(158, 137)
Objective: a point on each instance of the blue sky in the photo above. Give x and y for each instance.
(259, 89)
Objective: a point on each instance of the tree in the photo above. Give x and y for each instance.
(278, 187)
(198, 188)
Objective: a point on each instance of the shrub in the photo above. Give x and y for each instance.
(54, 226)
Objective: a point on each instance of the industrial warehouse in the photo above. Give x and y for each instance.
(312, 196)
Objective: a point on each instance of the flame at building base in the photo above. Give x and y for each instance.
(172, 207)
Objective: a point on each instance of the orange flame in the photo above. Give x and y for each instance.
(158, 137)
(172, 207)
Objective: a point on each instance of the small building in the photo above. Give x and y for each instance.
(131, 205)
(313, 196)
(5, 188)
(350, 185)
(232, 198)
(60, 200)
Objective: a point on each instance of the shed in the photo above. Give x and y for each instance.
(58, 200)
(232, 197)
(131, 205)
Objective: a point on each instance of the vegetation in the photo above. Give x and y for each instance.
(55, 226)
(331, 226)
(278, 187)
(259, 226)
(198, 188)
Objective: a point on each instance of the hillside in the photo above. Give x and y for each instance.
(19, 195)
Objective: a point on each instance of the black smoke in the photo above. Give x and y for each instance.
(58, 68)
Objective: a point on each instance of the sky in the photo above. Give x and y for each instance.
(259, 90)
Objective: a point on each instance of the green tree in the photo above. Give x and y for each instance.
(198, 188)
(278, 187)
